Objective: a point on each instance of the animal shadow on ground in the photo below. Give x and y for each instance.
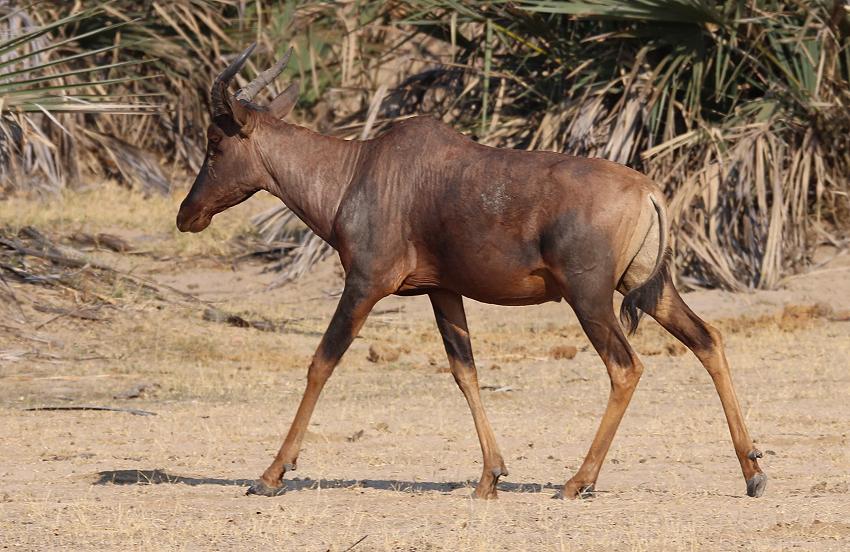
(157, 477)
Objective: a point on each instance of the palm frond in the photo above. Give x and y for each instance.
(44, 90)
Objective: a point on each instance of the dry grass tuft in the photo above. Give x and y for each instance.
(790, 319)
(796, 317)
(561, 352)
(380, 352)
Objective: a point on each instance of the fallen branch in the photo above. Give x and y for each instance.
(107, 241)
(82, 313)
(213, 314)
(134, 411)
(31, 336)
(72, 258)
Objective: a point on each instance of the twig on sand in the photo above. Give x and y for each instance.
(353, 545)
(134, 411)
(33, 377)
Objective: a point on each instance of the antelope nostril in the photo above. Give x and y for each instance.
(192, 220)
(181, 219)
(185, 217)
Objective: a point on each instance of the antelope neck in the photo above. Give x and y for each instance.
(310, 172)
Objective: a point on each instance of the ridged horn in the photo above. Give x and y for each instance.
(219, 103)
(263, 79)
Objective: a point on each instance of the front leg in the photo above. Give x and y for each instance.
(357, 300)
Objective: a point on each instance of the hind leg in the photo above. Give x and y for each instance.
(707, 344)
(596, 315)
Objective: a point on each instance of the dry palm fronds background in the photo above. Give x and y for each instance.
(739, 109)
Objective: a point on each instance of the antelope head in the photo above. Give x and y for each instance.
(233, 168)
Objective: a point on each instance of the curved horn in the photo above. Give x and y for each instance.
(218, 95)
(264, 78)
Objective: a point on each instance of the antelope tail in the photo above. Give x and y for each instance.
(646, 296)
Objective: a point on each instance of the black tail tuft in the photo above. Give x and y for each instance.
(646, 296)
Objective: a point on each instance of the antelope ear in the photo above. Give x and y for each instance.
(283, 104)
(239, 120)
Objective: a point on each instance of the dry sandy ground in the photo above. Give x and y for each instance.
(391, 456)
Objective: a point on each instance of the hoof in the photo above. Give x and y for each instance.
(585, 491)
(488, 494)
(486, 488)
(261, 489)
(756, 485)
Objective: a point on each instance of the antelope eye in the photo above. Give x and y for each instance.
(214, 143)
